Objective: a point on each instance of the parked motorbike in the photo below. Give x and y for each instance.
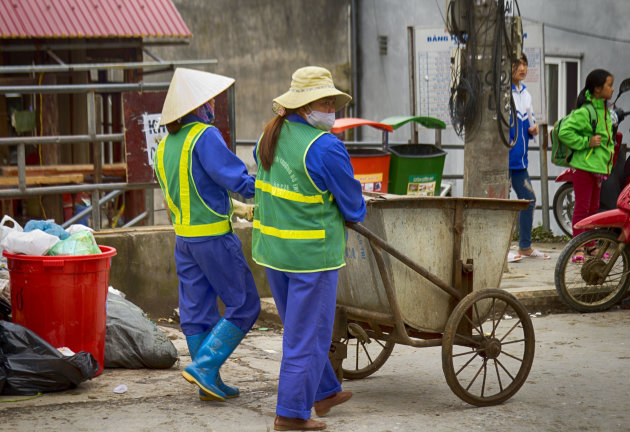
(601, 279)
(564, 199)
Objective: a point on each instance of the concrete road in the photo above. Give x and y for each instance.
(579, 382)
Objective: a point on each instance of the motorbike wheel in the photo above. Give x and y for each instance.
(587, 286)
(563, 203)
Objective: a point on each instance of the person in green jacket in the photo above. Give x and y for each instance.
(592, 142)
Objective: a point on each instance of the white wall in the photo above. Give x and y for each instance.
(384, 79)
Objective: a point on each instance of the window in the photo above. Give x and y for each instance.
(562, 85)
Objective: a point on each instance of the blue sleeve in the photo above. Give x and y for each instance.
(328, 164)
(222, 166)
(526, 133)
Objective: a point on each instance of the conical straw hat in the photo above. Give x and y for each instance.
(190, 89)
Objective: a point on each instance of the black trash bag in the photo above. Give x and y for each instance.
(133, 341)
(5, 310)
(30, 365)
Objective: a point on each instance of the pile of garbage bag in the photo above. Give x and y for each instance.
(29, 365)
(133, 341)
(39, 237)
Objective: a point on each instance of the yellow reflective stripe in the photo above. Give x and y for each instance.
(184, 186)
(290, 234)
(304, 161)
(160, 166)
(287, 194)
(203, 230)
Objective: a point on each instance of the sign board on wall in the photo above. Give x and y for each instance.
(434, 48)
(142, 111)
(433, 72)
(534, 49)
(153, 134)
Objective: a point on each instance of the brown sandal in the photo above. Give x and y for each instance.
(296, 424)
(323, 406)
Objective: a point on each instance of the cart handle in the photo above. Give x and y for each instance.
(361, 229)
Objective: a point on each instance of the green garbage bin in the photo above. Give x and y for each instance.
(416, 169)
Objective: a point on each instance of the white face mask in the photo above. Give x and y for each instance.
(320, 120)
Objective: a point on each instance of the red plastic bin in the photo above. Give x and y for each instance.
(371, 168)
(63, 298)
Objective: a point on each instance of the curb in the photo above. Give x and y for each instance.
(542, 299)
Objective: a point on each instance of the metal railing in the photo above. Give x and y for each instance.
(92, 137)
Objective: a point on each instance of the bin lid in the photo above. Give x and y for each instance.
(428, 122)
(342, 124)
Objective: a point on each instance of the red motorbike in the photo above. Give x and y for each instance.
(601, 279)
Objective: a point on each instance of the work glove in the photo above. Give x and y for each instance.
(242, 210)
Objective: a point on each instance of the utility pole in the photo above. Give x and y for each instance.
(485, 154)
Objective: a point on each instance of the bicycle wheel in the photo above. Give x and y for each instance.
(563, 203)
(600, 281)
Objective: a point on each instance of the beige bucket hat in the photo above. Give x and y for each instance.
(190, 89)
(309, 84)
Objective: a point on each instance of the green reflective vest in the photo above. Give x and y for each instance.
(191, 216)
(297, 226)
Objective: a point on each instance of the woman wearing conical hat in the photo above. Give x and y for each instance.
(196, 169)
(305, 192)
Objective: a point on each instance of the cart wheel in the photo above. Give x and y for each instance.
(587, 286)
(364, 355)
(486, 361)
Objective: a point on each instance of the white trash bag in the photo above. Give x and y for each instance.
(35, 242)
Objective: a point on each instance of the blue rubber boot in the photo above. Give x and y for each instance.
(216, 348)
(194, 342)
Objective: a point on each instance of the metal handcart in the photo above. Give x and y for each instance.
(423, 272)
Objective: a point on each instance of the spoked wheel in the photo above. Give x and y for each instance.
(563, 203)
(488, 347)
(601, 280)
(365, 355)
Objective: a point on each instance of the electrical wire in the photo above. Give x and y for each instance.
(467, 84)
(581, 33)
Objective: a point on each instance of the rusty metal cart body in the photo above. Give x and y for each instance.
(425, 271)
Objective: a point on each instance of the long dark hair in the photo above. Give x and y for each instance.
(596, 78)
(269, 140)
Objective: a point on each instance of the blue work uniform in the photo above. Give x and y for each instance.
(306, 300)
(211, 266)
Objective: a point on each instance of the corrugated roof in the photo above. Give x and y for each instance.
(90, 19)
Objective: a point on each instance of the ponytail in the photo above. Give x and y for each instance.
(269, 140)
(596, 78)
